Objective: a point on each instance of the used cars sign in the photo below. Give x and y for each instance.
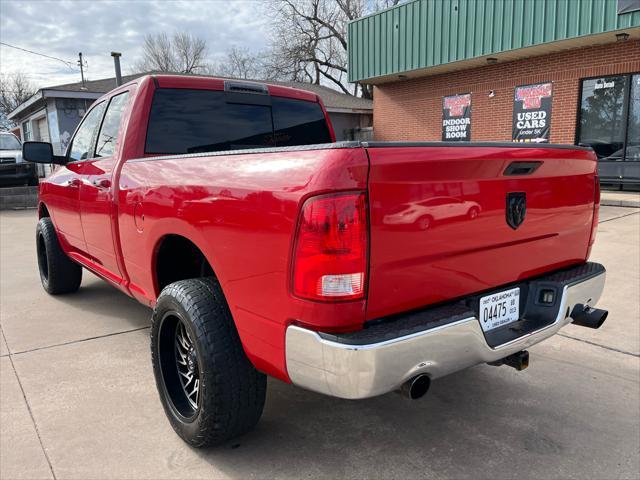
(532, 113)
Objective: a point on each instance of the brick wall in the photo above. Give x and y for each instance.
(412, 109)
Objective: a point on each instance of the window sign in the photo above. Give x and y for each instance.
(532, 113)
(456, 118)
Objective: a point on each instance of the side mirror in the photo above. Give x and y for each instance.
(41, 152)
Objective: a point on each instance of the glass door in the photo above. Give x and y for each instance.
(610, 123)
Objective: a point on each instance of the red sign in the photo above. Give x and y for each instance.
(532, 95)
(457, 104)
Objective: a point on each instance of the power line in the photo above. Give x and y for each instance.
(68, 64)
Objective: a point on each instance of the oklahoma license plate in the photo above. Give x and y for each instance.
(499, 309)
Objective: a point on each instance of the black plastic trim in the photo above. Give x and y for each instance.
(296, 148)
(521, 168)
(356, 144)
(473, 144)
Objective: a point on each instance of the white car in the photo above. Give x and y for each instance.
(422, 214)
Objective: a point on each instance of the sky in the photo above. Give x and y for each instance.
(96, 28)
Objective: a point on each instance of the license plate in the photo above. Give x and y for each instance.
(499, 309)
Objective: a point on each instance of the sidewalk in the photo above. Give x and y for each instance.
(620, 199)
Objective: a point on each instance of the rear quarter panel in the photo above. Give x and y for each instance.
(241, 211)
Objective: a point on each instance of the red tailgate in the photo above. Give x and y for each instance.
(439, 226)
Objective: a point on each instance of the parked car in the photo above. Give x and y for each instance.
(423, 213)
(261, 247)
(13, 170)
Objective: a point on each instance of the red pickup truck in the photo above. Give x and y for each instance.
(352, 269)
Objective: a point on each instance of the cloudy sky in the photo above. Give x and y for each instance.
(95, 28)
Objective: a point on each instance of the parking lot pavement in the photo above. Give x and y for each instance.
(78, 399)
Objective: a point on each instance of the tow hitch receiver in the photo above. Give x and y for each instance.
(518, 360)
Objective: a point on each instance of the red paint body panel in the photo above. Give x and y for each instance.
(241, 210)
(468, 246)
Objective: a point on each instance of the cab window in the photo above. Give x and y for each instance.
(81, 146)
(111, 125)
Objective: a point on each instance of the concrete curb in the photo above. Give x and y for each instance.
(18, 198)
(616, 199)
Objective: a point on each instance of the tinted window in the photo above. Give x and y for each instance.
(298, 122)
(111, 125)
(187, 121)
(633, 138)
(602, 116)
(81, 147)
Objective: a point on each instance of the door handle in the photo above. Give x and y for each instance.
(102, 183)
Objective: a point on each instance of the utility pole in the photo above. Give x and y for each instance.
(80, 62)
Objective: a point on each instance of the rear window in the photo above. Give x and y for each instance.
(189, 121)
(298, 123)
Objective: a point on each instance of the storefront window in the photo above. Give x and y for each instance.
(610, 123)
(602, 116)
(633, 136)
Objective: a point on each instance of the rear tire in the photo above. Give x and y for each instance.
(209, 389)
(58, 273)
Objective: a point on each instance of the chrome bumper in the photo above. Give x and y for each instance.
(361, 371)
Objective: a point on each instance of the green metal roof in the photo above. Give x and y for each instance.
(425, 33)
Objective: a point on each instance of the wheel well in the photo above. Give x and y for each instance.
(179, 259)
(43, 212)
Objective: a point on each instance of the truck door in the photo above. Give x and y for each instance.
(96, 194)
(65, 182)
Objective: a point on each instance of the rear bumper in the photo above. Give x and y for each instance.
(378, 360)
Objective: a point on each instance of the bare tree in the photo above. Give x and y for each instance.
(15, 89)
(180, 53)
(309, 40)
(241, 63)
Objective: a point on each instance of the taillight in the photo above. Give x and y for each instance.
(330, 256)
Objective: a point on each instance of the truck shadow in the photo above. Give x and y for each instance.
(97, 297)
(469, 420)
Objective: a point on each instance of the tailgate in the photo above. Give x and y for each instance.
(439, 223)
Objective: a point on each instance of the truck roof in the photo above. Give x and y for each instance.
(218, 83)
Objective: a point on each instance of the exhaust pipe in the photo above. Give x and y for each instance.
(585, 316)
(416, 387)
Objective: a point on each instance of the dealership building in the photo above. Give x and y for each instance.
(559, 71)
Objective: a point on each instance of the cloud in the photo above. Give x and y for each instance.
(96, 28)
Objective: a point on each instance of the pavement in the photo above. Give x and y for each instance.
(78, 400)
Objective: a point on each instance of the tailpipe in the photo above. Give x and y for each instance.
(585, 316)
(416, 387)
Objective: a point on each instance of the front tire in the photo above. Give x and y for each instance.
(209, 389)
(58, 273)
